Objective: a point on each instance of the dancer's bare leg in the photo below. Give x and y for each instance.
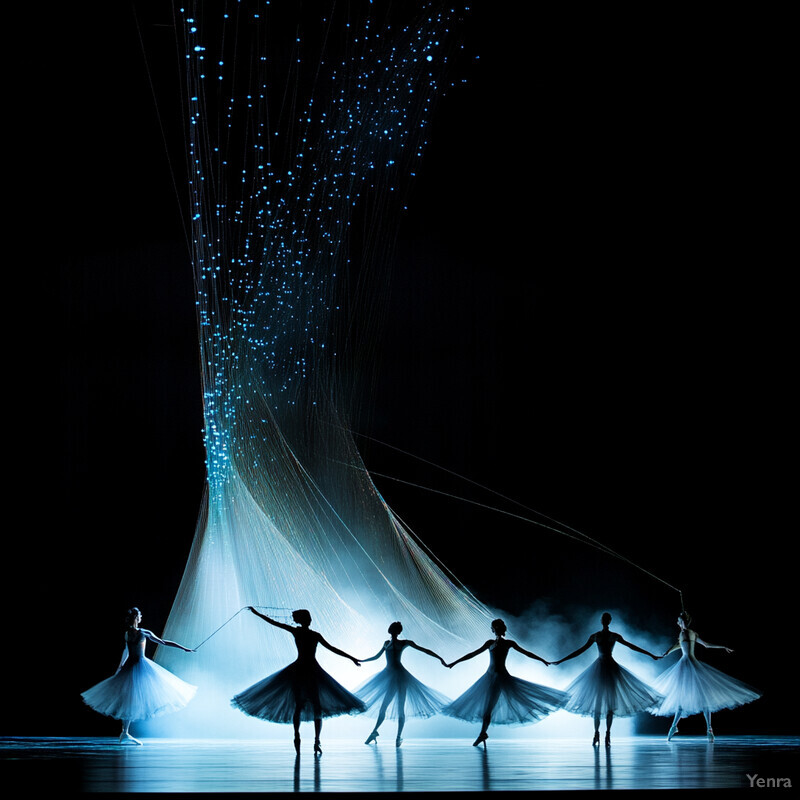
(674, 727)
(381, 717)
(609, 720)
(401, 716)
(296, 724)
(125, 735)
(709, 732)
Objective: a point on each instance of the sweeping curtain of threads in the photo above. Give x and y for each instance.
(305, 127)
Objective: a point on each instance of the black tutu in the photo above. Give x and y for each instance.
(275, 698)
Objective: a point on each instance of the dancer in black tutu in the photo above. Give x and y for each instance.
(140, 688)
(303, 690)
(605, 688)
(498, 696)
(400, 694)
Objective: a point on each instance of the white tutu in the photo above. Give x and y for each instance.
(607, 686)
(692, 687)
(141, 689)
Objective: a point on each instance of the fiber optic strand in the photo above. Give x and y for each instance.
(570, 532)
(232, 617)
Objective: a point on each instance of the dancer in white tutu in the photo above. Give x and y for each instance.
(498, 696)
(394, 691)
(605, 688)
(692, 687)
(140, 688)
(303, 690)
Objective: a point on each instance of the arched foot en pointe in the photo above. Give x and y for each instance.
(373, 737)
(126, 738)
(297, 745)
(481, 738)
(710, 735)
(672, 731)
(596, 739)
(317, 748)
(608, 738)
(398, 742)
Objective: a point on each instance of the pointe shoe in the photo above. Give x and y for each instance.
(398, 741)
(596, 739)
(317, 748)
(608, 738)
(710, 735)
(126, 737)
(672, 731)
(297, 745)
(481, 738)
(373, 737)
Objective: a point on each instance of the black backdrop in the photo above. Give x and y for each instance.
(589, 314)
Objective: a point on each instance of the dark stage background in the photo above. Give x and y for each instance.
(588, 314)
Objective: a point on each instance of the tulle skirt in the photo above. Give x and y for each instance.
(420, 700)
(692, 687)
(275, 698)
(607, 686)
(140, 689)
(517, 701)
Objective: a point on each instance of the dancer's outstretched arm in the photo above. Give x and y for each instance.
(376, 656)
(272, 621)
(672, 649)
(484, 646)
(528, 653)
(636, 648)
(338, 651)
(580, 650)
(426, 651)
(713, 646)
(153, 638)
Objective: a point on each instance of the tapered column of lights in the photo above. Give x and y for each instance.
(303, 141)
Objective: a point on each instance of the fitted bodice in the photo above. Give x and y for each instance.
(306, 641)
(135, 640)
(605, 641)
(393, 650)
(687, 648)
(498, 651)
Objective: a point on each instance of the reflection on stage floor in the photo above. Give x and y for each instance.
(419, 765)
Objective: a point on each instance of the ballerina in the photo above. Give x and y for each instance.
(498, 696)
(692, 687)
(397, 689)
(302, 690)
(140, 688)
(605, 688)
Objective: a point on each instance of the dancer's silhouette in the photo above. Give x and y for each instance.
(140, 688)
(692, 687)
(400, 694)
(498, 696)
(605, 688)
(303, 690)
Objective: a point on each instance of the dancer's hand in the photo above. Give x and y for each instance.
(444, 663)
(728, 650)
(356, 662)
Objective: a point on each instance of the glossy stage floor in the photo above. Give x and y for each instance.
(196, 766)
